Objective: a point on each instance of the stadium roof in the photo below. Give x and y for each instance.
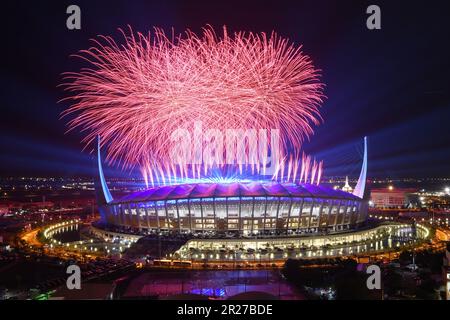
(221, 190)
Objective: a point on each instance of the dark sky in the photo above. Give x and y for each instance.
(391, 84)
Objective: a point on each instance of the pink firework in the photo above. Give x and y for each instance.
(136, 94)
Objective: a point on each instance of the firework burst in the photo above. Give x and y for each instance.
(136, 94)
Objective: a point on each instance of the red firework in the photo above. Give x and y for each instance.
(136, 94)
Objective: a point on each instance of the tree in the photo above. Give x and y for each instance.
(392, 282)
(427, 288)
(352, 286)
(405, 257)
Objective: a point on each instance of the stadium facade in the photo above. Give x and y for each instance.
(240, 208)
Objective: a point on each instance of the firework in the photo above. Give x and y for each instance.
(135, 95)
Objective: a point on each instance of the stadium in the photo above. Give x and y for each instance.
(231, 89)
(239, 208)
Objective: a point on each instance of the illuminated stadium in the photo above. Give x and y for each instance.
(249, 208)
(193, 113)
(246, 208)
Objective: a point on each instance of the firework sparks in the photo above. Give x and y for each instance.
(136, 94)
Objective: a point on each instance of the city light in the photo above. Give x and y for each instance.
(210, 148)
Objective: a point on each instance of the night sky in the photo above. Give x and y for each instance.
(390, 84)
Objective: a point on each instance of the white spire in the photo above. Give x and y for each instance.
(105, 190)
(361, 185)
(347, 187)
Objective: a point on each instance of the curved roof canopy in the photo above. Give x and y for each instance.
(221, 190)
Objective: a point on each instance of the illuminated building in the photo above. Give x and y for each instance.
(265, 84)
(347, 187)
(238, 207)
(390, 197)
(245, 207)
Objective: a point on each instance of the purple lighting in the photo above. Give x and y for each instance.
(252, 189)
